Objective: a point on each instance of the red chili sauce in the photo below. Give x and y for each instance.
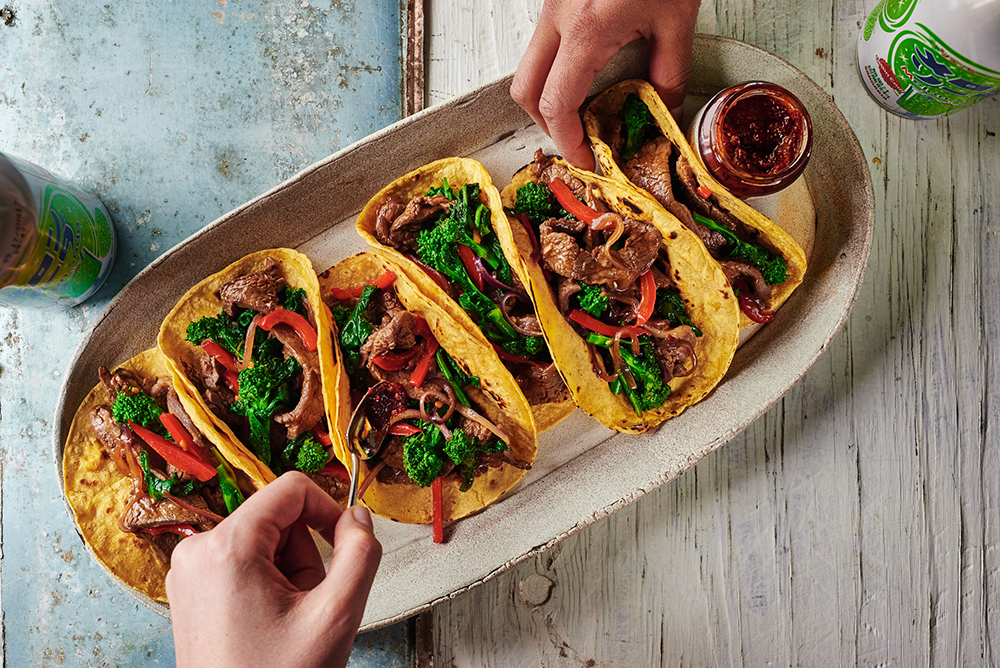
(761, 134)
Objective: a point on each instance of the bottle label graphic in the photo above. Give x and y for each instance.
(911, 70)
(57, 244)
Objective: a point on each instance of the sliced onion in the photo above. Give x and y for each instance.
(633, 305)
(369, 479)
(488, 277)
(476, 417)
(691, 356)
(504, 308)
(435, 275)
(427, 416)
(248, 343)
(409, 414)
(597, 362)
(606, 220)
(620, 367)
(656, 328)
(444, 431)
(207, 514)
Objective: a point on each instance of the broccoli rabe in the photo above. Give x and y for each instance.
(220, 329)
(357, 329)
(232, 496)
(293, 300)
(651, 391)
(772, 266)
(136, 407)
(525, 346)
(455, 376)
(538, 203)
(304, 453)
(669, 305)
(172, 485)
(264, 389)
(422, 455)
(638, 125)
(592, 299)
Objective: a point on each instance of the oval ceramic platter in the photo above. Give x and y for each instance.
(584, 471)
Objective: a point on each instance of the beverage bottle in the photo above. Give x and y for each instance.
(57, 244)
(926, 58)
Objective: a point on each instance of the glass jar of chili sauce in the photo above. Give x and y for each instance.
(754, 138)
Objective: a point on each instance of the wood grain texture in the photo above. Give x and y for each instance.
(857, 521)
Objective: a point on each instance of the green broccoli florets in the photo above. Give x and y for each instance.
(638, 125)
(136, 407)
(172, 485)
(460, 448)
(538, 203)
(264, 389)
(422, 455)
(311, 456)
(651, 391)
(669, 305)
(526, 346)
(592, 299)
(771, 266)
(220, 329)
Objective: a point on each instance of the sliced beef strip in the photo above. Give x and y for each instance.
(406, 227)
(123, 379)
(257, 291)
(385, 303)
(309, 411)
(542, 386)
(146, 513)
(675, 353)
(163, 543)
(567, 288)
(388, 212)
(474, 429)
(737, 269)
(707, 208)
(214, 499)
(546, 170)
(336, 487)
(175, 408)
(396, 334)
(649, 169)
(109, 433)
(562, 255)
(391, 476)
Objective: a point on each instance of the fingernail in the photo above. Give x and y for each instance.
(362, 516)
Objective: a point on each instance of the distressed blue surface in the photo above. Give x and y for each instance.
(173, 112)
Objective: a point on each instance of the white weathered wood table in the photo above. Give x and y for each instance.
(857, 522)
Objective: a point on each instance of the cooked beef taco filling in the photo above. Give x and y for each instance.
(450, 235)
(611, 277)
(260, 374)
(435, 429)
(648, 159)
(180, 484)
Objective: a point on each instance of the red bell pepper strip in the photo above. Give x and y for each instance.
(221, 355)
(438, 511)
(183, 460)
(704, 192)
(404, 429)
(293, 320)
(179, 529)
(648, 285)
(335, 469)
(517, 359)
(322, 436)
(430, 345)
(232, 380)
(584, 319)
(469, 261)
(383, 281)
(568, 201)
(177, 430)
(395, 361)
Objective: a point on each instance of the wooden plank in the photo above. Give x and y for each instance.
(856, 523)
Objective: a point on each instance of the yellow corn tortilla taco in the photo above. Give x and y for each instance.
(273, 405)
(479, 282)
(103, 496)
(701, 203)
(413, 344)
(640, 321)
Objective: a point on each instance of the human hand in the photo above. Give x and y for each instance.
(576, 38)
(253, 591)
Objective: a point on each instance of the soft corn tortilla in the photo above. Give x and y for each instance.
(498, 398)
(201, 301)
(97, 492)
(609, 103)
(708, 299)
(458, 172)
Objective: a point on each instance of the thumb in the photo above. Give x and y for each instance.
(356, 556)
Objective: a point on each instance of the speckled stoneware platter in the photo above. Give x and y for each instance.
(583, 472)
